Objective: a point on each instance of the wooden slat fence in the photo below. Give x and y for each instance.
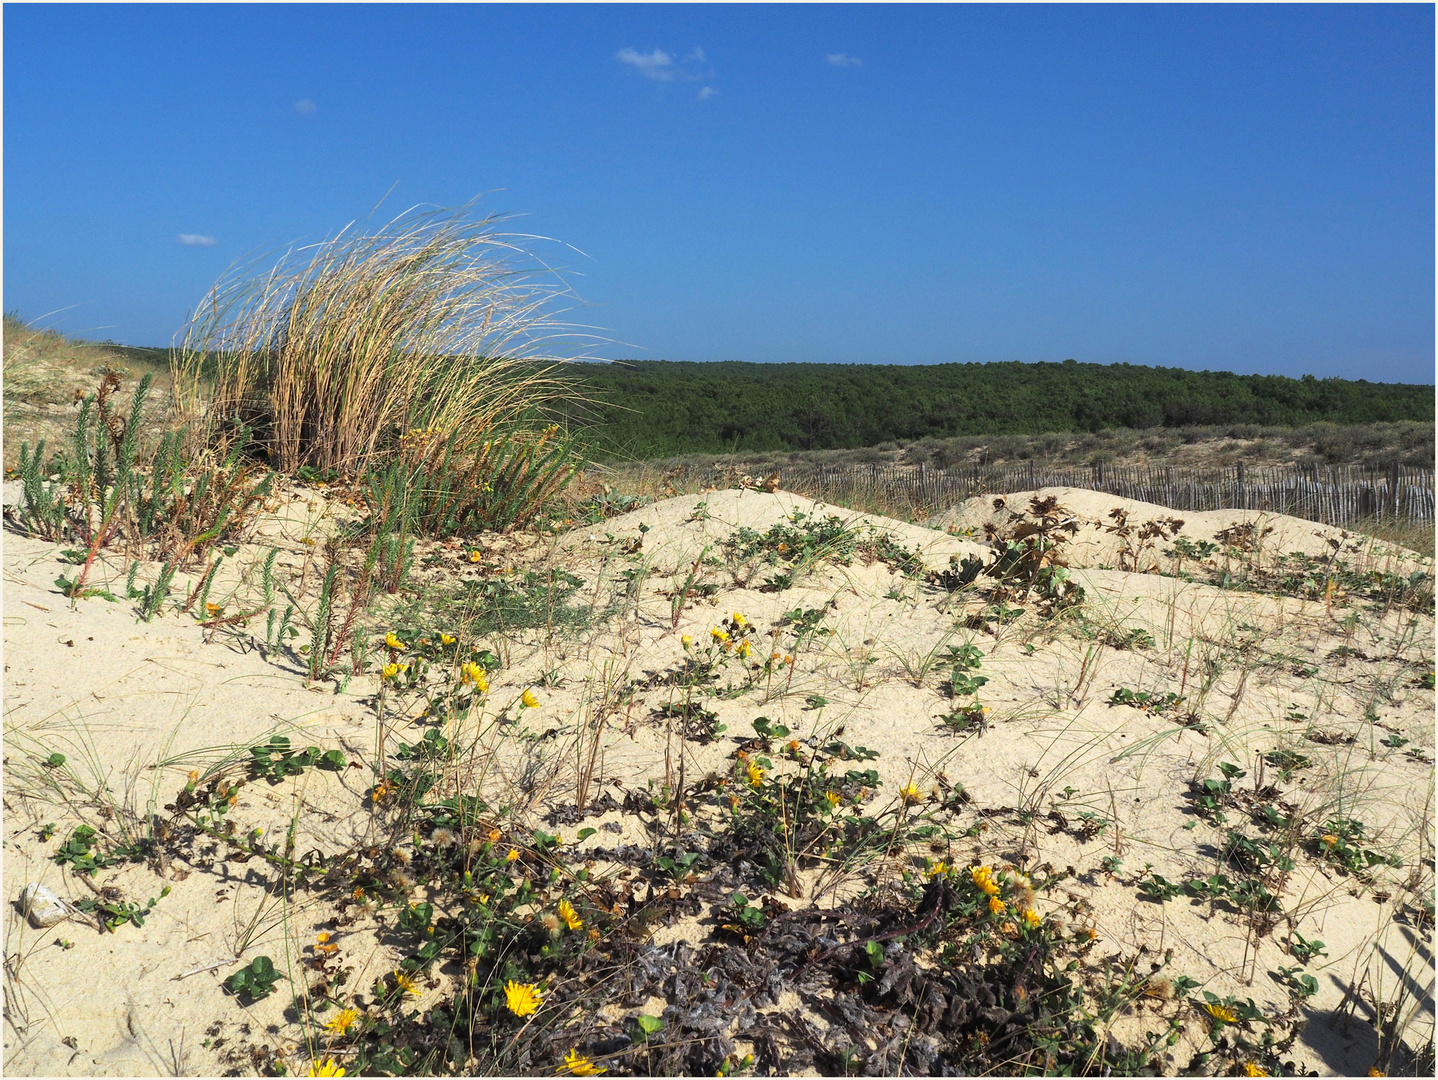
(1335, 495)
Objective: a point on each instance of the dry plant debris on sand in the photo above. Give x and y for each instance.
(733, 781)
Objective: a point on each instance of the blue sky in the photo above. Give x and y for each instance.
(1241, 188)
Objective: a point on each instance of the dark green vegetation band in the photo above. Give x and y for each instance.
(656, 408)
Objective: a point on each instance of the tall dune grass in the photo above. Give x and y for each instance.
(435, 322)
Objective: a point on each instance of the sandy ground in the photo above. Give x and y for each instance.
(135, 707)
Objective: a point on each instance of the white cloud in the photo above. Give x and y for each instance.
(195, 240)
(697, 55)
(706, 93)
(840, 59)
(656, 65)
(304, 106)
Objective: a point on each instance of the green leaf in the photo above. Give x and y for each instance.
(649, 1024)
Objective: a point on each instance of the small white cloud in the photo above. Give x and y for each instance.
(195, 240)
(305, 106)
(841, 59)
(656, 65)
(706, 93)
(696, 56)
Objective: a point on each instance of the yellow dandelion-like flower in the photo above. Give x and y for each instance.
(393, 642)
(1253, 1068)
(939, 869)
(513, 855)
(341, 1024)
(833, 797)
(720, 635)
(686, 641)
(911, 793)
(214, 609)
(1220, 1012)
(576, 1064)
(756, 774)
(522, 998)
(476, 555)
(390, 671)
(996, 906)
(740, 621)
(984, 879)
(529, 699)
(473, 673)
(744, 650)
(323, 937)
(445, 639)
(1031, 917)
(493, 836)
(569, 915)
(783, 547)
(327, 1068)
(1376, 1071)
(1329, 840)
(405, 982)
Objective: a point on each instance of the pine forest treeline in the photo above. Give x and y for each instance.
(649, 409)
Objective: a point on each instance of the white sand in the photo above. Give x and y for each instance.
(119, 698)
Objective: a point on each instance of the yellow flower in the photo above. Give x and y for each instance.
(1032, 918)
(740, 621)
(406, 982)
(912, 793)
(473, 673)
(833, 797)
(392, 641)
(379, 792)
(341, 1024)
(445, 639)
(327, 1068)
(686, 641)
(984, 879)
(522, 998)
(939, 869)
(1253, 1068)
(744, 649)
(569, 915)
(529, 699)
(1220, 1012)
(493, 836)
(996, 905)
(214, 609)
(323, 937)
(1376, 1071)
(756, 774)
(513, 855)
(720, 635)
(1329, 840)
(476, 555)
(576, 1064)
